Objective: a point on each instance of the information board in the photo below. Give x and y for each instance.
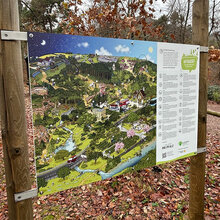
(104, 107)
(177, 100)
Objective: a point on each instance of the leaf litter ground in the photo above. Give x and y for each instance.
(148, 194)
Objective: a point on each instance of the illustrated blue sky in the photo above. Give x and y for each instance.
(43, 43)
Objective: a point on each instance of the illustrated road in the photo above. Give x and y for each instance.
(52, 173)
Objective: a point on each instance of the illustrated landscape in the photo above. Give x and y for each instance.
(94, 117)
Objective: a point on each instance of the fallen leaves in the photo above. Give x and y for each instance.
(140, 195)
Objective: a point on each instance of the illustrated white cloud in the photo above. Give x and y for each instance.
(148, 57)
(122, 49)
(83, 44)
(102, 51)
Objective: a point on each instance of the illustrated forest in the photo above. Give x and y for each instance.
(94, 117)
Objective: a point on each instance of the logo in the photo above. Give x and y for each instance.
(180, 143)
(189, 62)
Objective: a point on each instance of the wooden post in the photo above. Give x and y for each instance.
(13, 120)
(197, 163)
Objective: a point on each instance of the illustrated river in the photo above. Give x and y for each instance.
(121, 167)
(69, 145)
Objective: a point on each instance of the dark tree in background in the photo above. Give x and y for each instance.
(40, 15)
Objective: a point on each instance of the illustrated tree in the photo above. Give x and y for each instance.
(130, 133)
(132, 117)
(146, 128)
(39, 147)
(99, 99)
(47, 120)
(65, 118)
(119, 146)
(114, 116)
(41, 182)
(63, 172)
(60, 155)
(94, 155)
(38, 120)
(86, 118)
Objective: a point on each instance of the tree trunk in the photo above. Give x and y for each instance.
(186, 20)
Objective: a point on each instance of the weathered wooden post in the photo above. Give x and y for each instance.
(197, 163)
(12, 109)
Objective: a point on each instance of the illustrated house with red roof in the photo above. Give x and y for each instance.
(114, 107)
(124, 103)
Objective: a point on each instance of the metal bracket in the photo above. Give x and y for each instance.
(13, 35)
(201, 150)
(204, 49)
(25, 195)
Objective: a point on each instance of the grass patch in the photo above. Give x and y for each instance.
(37, 101)
(131, 153)
(56, 71)
(77, 134)
(58, 184)
(115, 154)
(138, 132)
(52, 163)
(65, 54)
(95, 60)
(100, 164)
(147, 161)
(127, 126)
(71, 181)
(47, 55)
(57, 142)
(38, 78)
(87, 178)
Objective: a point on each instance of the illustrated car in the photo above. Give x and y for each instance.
(72, 159)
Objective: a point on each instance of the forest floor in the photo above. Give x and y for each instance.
(147, 194)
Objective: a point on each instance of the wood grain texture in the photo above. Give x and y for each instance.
(197, 163)
(13, 118)
(8, 169)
